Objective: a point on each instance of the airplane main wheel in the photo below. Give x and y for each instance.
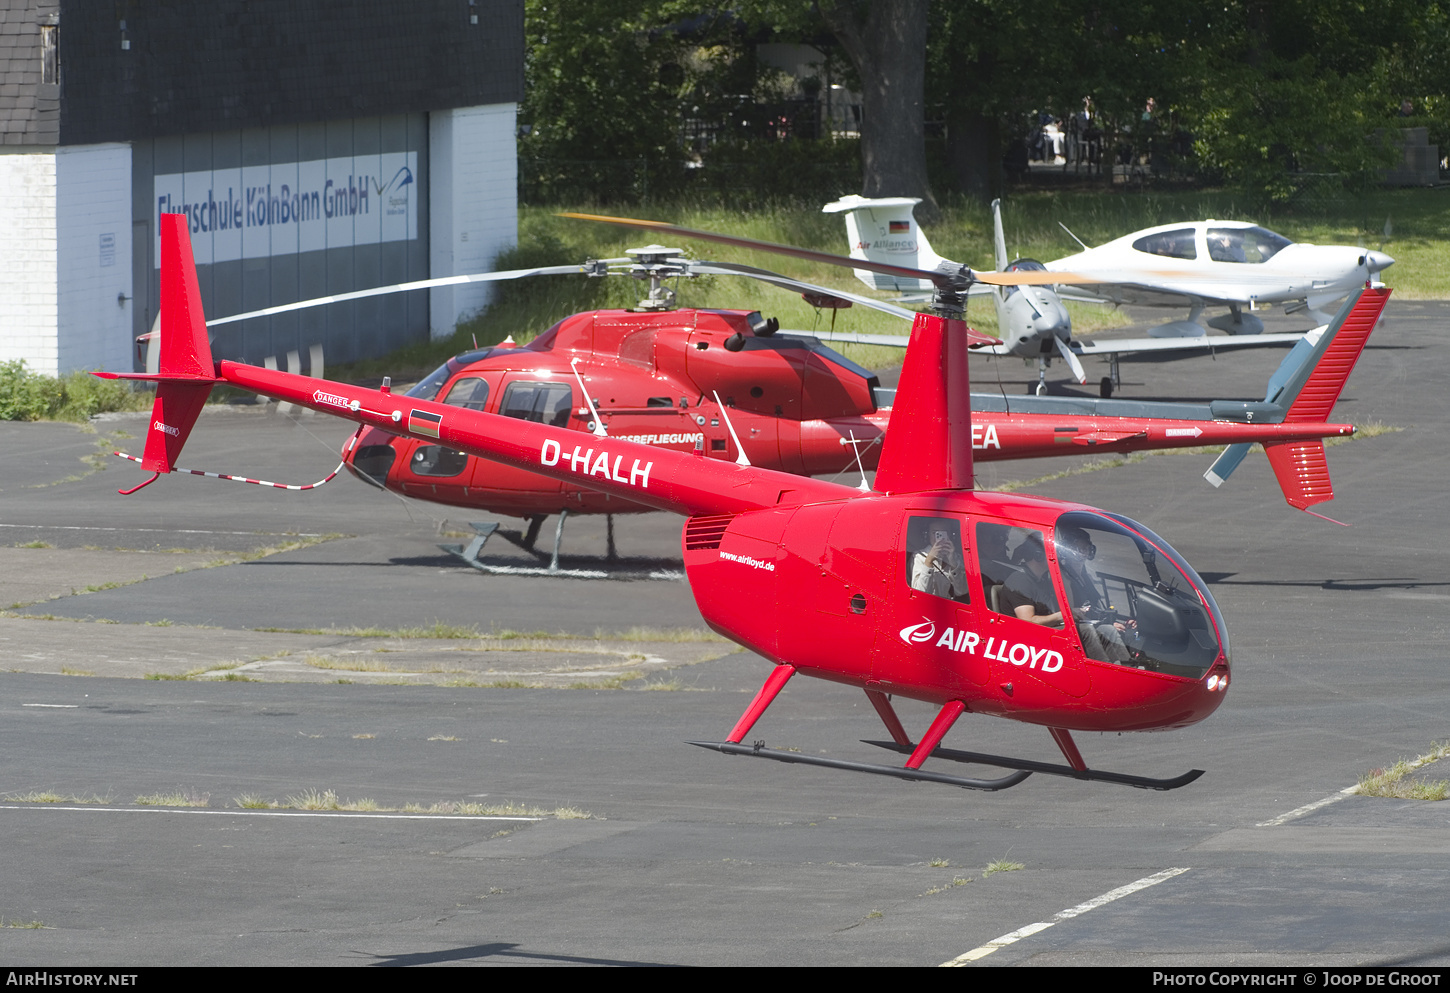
(1105, 388)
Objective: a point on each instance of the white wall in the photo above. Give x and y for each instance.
(93, 241)
(28, 298)
(473, 204)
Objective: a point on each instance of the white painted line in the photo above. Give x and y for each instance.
(983, 951)
(1426, 759)
(55, 706)
(1309, 807)
(269, 813)
(78, 527)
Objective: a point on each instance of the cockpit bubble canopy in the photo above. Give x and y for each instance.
(1250, 245)
(1135, 601)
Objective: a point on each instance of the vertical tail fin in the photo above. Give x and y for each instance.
(1307, 384)
(929, 437)
(885, 230)
(1302, 472)
(186, 372)
(999, 237)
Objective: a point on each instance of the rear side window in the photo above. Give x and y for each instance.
(544, 403)
(1169, 244)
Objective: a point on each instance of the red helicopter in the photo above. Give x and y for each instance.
(750, 393)
(1037, 610)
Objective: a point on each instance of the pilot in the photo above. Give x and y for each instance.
(1103, 634)
(936, 569)
(1223, 246)
(1029, 594)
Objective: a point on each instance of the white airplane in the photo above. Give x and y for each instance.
(1232, 263)
(1032, 320)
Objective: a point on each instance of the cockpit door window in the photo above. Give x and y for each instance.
(470, 392)
(544, 403)
(1016, 578)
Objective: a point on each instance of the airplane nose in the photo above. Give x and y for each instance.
(1377, 261)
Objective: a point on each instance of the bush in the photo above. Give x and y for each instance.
(27, 396)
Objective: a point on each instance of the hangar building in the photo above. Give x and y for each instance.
(317, 146)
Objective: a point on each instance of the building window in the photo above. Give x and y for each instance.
(50, 54)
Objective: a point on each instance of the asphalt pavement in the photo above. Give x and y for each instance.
(295, 619)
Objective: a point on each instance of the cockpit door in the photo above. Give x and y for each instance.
(1025, 638)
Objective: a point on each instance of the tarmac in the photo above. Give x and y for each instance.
(205, 642)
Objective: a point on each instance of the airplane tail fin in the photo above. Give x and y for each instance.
(186, 371)
(1000, 237)
(1306, 385)
(885, 230)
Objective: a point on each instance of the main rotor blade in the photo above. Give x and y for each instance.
(945, 280)
(421, 284)
(786, 283)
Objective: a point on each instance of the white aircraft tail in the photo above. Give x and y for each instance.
(1001, 238)
(885, 230)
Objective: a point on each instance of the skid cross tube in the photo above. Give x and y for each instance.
(758, 750)
(1047, 768)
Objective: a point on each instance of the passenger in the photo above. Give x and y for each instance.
(1028, 593)
(937, 569)
(1104, 636)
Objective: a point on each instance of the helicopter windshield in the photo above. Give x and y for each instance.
(1134, 601)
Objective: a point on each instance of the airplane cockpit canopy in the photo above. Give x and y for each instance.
(1252, 245)
(1022, 265)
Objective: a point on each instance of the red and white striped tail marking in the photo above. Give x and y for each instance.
(245, 479)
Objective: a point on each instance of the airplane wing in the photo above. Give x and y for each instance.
(1128, 346)
(985, 345)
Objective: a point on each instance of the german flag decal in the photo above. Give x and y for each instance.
(422, 422)
(900, 227)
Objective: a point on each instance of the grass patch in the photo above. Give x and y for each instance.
(1001, 865)
(957, 881)
(328, 800)
(30, 925)
(181, 798)
(66, 670)
(250, 801)
(939, 863)
(1395, 783)
(36, 544)
(46, 796)
(303, 541)
(664, 686)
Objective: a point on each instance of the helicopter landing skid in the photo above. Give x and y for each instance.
(758, 750)
(1048, 768)
(469, 553)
